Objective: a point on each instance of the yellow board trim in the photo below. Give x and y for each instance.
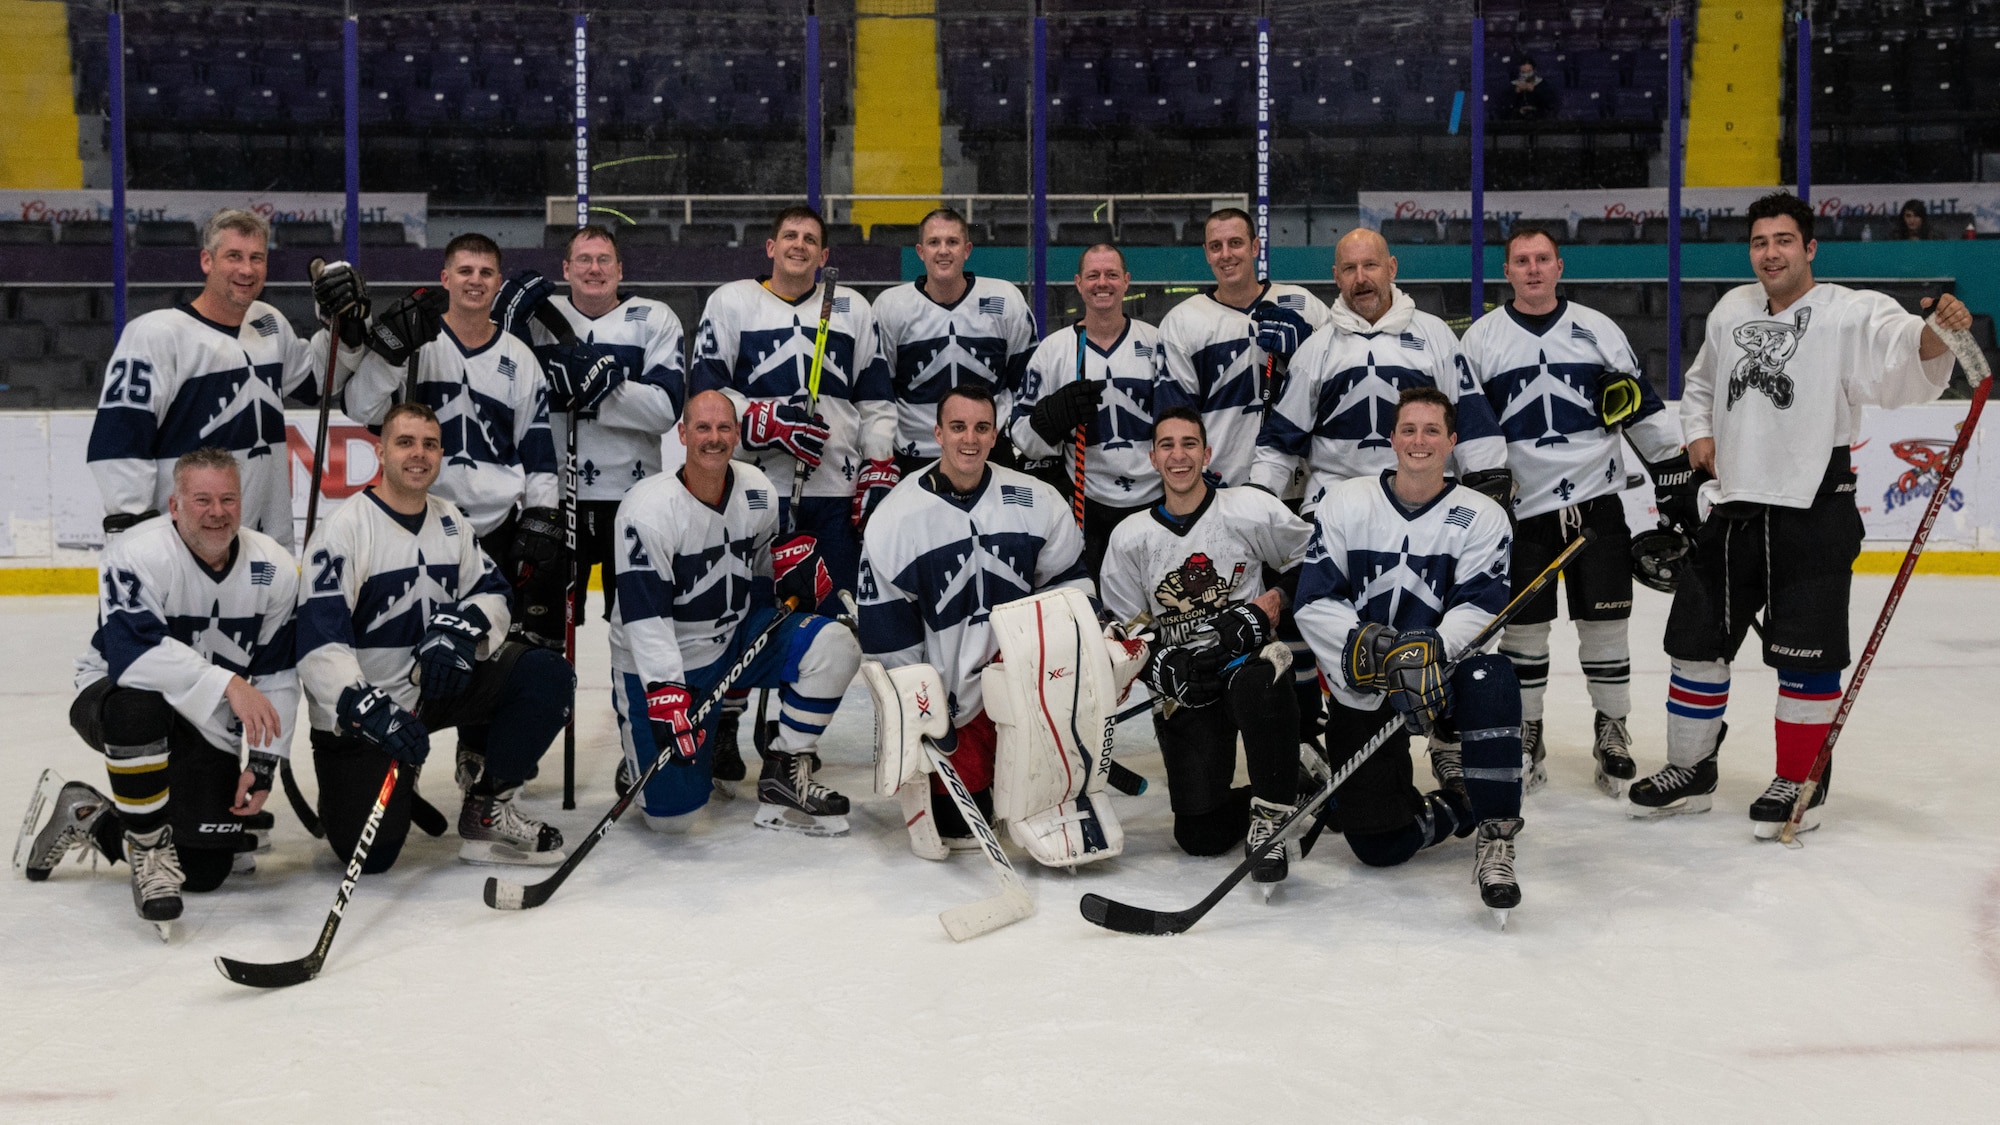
(898, 122)
(38, 149)
(1734, 129)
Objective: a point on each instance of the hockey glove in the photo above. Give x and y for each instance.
(580, 375)
(1361, 660)
(667, 708)
(1414, 675)
(1185, 674)
(408, 324)
(263, 767)
(519, 299)
(1239, 629)
(1280, 330)
(448, 651)
(871, 485)
(1618, 397)
(1676, 483)
(1062, 410)
(117, 523)
(370, 713)
(798, 570)
(338, 291)
(1496, 485)
(770, 424)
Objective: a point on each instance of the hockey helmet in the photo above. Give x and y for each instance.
(1658, 557)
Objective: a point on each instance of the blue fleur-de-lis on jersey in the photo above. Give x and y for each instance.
(590, 472)
(1564, 488)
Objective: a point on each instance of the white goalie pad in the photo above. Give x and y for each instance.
(909, 706)
(1075, 832)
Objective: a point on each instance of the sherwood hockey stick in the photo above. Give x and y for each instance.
(1125, 919)
(518, 896)
(284, 974)
(1980, 376)
(829, 277)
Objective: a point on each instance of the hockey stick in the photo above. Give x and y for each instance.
(569, 599)
(829, 277)
(1012, 903)
(1126, 919)
(1082, 428)
(283, 974)
(1980, 376)
(518, 896)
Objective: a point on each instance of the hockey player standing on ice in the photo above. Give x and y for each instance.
(946, 548)
(1403, 569)
(701, 562)
(1218, 343)
(755, 344)
(191, 663)
(1772, 407)
(214, 372)
(402, 630)
(945, 328)
(1565, 385)
(1200, 565)
(1113, 400)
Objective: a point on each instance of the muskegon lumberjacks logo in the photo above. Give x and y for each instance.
(1192, 592)
(1767, 346)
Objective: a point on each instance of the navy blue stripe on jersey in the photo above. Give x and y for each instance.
(127, 635)
(281, 655)
(889, 626)
(239, 409)
(927, 369)
(1219, 389)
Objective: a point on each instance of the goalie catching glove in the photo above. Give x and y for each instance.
(768, 424)
(408, 324)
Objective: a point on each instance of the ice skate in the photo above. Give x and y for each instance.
(1265, 817)
(624, 778)
(1613, 751)
(788, 799)
(1313, 770)
(1769, 812)
(1448, 766)
(1493, 866)
(1534, 755)
(156, 877)
(77, 809)
(728, 768)
(492, 830)
(467, 767)
(1673, 790)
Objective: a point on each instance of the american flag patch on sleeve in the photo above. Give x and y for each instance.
(1459, 516)
(450, 525)
(840, 306)
(262, 573)
(1143, 351)
(266, 325)
(508, 367)
(992, 306)
(1295, 301)
(1579, 332)
(1017, 494)
(637, 312)
(757, 499)
(1411, 341)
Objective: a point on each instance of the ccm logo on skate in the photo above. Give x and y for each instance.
(1804, 653)
(217, 829)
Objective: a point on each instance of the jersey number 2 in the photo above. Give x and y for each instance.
(131, 383)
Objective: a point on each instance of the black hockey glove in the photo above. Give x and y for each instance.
(580, 375)
(1618, 397)
(1280, 330)
(408, 324)
(119, 522)
(1496, 485)
(519, 299)
(1240, 629)
(1062, 410)
(540, 540)
(1361, 660)
(370, 713)
(263, 767)
(1186, 675)
(538, 569)
(339, 291)
(1676, 482)
(448, 651)
(1414, 674)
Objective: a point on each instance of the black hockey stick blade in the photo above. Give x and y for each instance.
(1127, 781)
(297, 800)
(426, 816)
(281, 974)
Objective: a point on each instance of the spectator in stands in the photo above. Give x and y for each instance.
(1532, 98)
(1916, 224)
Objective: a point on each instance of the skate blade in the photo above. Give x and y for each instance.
(784, 818)
(496, 853)
(46, 789)
(165, 930)
(1699, 803)
(244, 863)
(1772, 829)
(1499, 917)
(1270, 890)
(1533, 778)
(1613, 787)
(724, 789)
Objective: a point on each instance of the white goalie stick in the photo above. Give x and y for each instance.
(1012, 903)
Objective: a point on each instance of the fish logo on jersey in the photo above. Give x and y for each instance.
(1191, 592)
(1767, 346)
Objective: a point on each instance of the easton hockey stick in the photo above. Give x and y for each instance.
(1977, 373)
(518, 896)
(1125, 919)
(829, 277)
(284, 974)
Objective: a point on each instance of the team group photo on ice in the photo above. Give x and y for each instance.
(1329, 535)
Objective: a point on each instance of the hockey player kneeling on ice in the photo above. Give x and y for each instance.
(402, 627)
(943, 553)
(1402, 570)
(699, 570)
(1197, 566)
(1772, 409)
(191, 665)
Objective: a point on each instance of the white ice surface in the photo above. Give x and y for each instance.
(1669, 971)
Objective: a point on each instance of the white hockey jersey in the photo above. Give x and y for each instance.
(689, 574)
(1182, 571)
(1338, 405)
(1540, 376)
(983, 337)
(1442, 566)
(934, 564)
(178, 381)
(1116, 470)
(619, 445)
(1216, 367)
(493, 407)
(755, 345)
(167, 623)
(373, 579)
(1780, 393)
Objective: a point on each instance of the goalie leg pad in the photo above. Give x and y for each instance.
(1079, 831)
(1050, 696)
(909, 707)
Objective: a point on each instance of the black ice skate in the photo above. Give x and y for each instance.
(1493, 866)
(156, 877)
(1673, 790)
(492, 830)
(1265, 817)
(728, 768)
(1534, 755)
(1769, 812)
(78, 808)
(788, 799)
(1613, 751)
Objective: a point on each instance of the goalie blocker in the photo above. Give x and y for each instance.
(1052, 695)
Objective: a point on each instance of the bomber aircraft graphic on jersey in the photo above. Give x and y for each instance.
(251, 413)
(1359, 404)
(227, 641)
(1548, 402)
(777, 362)
(972, 574)
(920, 363)
(420, 591)
(469, 437)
